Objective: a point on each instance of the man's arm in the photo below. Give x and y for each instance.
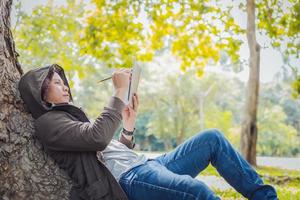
(129, 117)
(59, 132)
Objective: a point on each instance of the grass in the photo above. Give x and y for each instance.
(286, 182)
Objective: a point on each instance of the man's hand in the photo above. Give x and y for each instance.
(129, 114)
(121, 78)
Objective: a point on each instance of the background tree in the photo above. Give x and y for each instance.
(278, 24)
(249, 126)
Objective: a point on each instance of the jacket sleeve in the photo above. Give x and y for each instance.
(128, 143)
(61, 133)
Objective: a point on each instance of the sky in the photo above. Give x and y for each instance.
(271, 61)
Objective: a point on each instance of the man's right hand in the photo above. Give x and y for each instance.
(121, 78)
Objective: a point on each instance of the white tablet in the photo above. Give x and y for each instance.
(133, 84)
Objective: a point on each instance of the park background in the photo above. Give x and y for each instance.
(190, 81)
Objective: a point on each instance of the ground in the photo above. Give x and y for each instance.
(286, 182)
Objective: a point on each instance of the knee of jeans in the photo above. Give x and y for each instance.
(213, 134)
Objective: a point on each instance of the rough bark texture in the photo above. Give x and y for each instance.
(249, 127)
(25, 171)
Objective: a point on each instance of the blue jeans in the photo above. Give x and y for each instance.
(172, 175)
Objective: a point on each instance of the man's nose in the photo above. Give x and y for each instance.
(66, 88)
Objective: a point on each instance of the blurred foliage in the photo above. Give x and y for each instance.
(48, 35)
(276, 137)
(120, 32)
(113, 35)
(296, 83)
(280, 20)
(197, 33)
(175, 116)
(278, 119)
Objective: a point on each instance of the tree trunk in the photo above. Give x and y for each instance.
(249, 127)
(25, 171)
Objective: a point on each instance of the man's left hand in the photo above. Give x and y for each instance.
(129, 113)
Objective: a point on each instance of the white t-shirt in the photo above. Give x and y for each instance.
(118, 158)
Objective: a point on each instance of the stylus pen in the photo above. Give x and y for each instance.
(104, 79)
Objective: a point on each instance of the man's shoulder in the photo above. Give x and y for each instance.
(49, 123)
(52, 113)
(52, 116)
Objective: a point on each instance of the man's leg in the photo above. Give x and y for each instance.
(210, 146)
(154, 181)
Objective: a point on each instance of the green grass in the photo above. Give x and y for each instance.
(283, 194)
(277, 171)
(286, 182)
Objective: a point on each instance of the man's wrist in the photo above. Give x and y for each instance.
(128, 132)
(120, 93)
(128, 128)
(129, 138)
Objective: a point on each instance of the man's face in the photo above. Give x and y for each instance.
(57, 91)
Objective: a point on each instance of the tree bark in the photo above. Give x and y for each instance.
(25, 171)
(249, 128)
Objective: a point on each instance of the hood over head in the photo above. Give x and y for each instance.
(30, 87)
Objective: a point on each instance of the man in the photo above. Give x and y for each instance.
(104, 168)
